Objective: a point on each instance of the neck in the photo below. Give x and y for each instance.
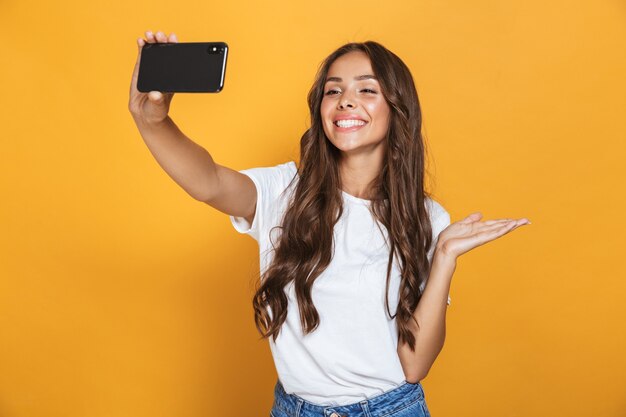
(357, 174)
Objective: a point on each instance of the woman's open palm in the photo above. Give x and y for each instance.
(469, 233)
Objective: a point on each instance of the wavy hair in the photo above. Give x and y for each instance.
(305, 245)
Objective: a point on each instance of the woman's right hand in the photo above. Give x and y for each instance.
(149, 107)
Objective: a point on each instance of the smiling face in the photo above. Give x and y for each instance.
(355, 114)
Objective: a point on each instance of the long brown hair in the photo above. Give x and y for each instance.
(305, 245)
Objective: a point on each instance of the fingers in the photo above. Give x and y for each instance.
(133, 81)
(517, 222)
(486, 232)
(150, 37)
(492, 232)
(495, 226)
(521, 221)
(509, 222)
(497, 230)
(160, 37)
(496, 221)
(506, 228)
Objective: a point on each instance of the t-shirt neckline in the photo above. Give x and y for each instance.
(352, 198)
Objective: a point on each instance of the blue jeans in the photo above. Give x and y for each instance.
(406, 400)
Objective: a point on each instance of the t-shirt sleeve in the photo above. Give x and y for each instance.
(440, 219)
(270, 182)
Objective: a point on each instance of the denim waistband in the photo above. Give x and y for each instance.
(380, 405)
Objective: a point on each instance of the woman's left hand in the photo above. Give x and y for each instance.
(464, 235)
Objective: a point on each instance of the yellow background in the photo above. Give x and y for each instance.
(122, 296)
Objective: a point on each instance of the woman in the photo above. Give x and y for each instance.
(348, 239)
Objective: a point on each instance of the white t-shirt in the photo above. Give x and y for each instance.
(352, 355)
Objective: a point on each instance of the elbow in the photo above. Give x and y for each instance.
(417, 376)
(413, 380)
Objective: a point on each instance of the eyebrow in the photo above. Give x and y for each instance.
(357, 78)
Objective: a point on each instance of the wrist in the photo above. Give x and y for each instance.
(146, 124)
(443, 256)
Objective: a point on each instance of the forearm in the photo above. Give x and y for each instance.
(187, 163)
(430, 314)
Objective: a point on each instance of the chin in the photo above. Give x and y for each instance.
(345, 147)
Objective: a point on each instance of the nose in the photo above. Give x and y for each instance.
(346, 101)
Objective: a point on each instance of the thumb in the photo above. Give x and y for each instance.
(155, 96)
(472, 217)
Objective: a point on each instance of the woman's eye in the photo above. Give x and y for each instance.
(332, 92)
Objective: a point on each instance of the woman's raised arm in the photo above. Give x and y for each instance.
(187, 163)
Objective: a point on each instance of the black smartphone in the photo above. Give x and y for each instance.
(184, 67)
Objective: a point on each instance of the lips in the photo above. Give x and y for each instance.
(347, 123)
(348, 117)
(348, 128)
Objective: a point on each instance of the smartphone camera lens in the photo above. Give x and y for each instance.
(215, 49)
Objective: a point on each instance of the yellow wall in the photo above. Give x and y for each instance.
(122, 296)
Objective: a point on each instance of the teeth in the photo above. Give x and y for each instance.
(349, 123)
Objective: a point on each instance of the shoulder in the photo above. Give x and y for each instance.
(289, 169)
(271, 181)
(279, 173)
